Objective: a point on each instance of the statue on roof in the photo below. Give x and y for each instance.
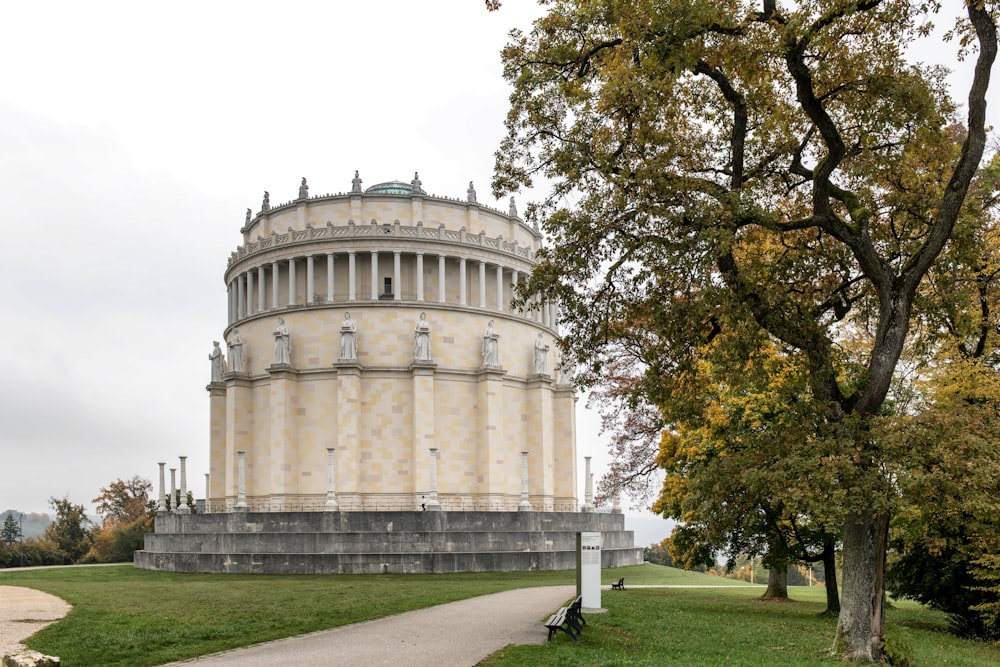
(266, 204)
(246, 221)
(513, 208)
(415, 184)
(356, 182)
(303, 189)
(472, 193)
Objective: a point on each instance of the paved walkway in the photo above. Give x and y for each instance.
(23, 612)
(440, 635)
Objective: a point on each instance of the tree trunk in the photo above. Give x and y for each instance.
(830, 572)
(777, 583)
(862, 612)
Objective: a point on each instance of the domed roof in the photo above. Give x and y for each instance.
(393, 188)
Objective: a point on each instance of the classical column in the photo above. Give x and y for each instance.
(291, 282)
(588, 492)
(352, 276)
(208, 494)
(329, 277)
(442, 295)
(525, 505)
(161, 505)
(261, 282)
(275, 284)
(397, 286)
(463, 282)
(482, 284)
(173, 490)
(241, 299)
(231, 296)
(514, 277)
(500, 304)
(310, 279)
(241, 480)
(331, 477)
(420, 276)
(182, 505)
(433, 503)
(616, 503)
(250, 294)
(374, 275)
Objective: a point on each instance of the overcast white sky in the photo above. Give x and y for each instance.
(133, 136)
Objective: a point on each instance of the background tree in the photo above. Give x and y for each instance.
(11, 531)
(738, 165)
(123, 501)
(69, 532)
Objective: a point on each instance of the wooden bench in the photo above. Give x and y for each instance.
(620, 585)
(568, 619)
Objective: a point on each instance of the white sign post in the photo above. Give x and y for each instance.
(590, 570)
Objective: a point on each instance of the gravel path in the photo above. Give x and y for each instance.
(25, 611)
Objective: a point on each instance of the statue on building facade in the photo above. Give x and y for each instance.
(237, 361)
(356, 183)
(304, 189)
(248, 218)
(422, 339)
(513, 209)
(348, 338)
(265, 205)
(541, 355)
(415, 184)
(218, 362)
(471, 192)
(282, 344)
(491, 346)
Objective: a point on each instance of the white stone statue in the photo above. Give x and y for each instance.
(218, 362)
(304, 189)
(348, 338)
(541, 355)
(422, 339)
(237, 360)
(265, 204)
(282, 344)
(491, 346)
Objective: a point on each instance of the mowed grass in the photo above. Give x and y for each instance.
(123, 616)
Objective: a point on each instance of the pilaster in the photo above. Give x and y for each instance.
(423, 424)
(282, 403)
(348, 430)
(494, 461)
(542, 463)
(239, 425)
(217, 440)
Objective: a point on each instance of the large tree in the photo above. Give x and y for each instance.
(723, 164)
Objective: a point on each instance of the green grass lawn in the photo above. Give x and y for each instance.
(123, 616)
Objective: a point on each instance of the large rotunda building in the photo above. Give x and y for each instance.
(377, 378)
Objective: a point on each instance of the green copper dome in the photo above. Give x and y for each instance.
(393, 188)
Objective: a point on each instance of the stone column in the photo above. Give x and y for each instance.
(161, 506)
(261, 289)
(588, 492)
(397, 285)
(282, 398)
(616, 504)
(241, 481)
(514, 277)
(275, 284)
(482, 284)
(241, 299)
(433, 504)
(463, 282)
(525, 505)
(500, 304)
(352, 276)
(250, 293)
(173, 490)
(348, 432)
(208, 495)
(442, 294)
(374, 275)
(238, 425)
(423, 421)
(329, 277)
(542, 437)
(291, 282)
(331, 477)
(230, 296)
(182, 505)
(420, 276)
(310, 279)
(493, 464)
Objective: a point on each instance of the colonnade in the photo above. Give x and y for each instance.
(249, 294)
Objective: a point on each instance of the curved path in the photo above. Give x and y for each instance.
(455, 634)
(25, 611)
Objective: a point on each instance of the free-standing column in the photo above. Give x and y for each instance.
(208, 486)
(433, 503)
(500, 303)
(261, 280)
(588, 489)
(352, 276)
(275, 285)
(463, 282)
(310, 280)
(329, 277)
(442, 296)
(525, 505)
(331, 477)
(291, 282)
(161, 505)
(182, 505)
(241, 480)
(420, 276)
(250, 292)
(374, 275)
(173, 490)
(241, 299)
(397, 286)
(482, 284)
